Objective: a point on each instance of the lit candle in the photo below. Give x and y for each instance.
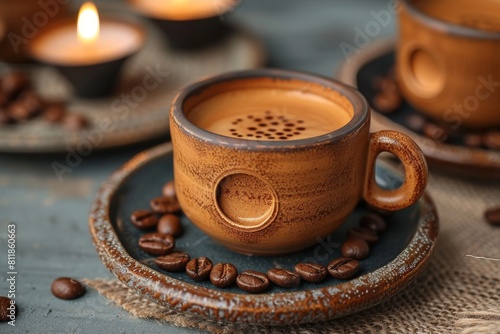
(89, 51)
(183, 9)
(87, 41)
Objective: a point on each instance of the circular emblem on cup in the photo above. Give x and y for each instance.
(245, 201)
(424, 71)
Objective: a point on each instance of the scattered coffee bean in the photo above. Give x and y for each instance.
(144, 219)
(18, 112)
(74, 122)
(492, 140)
(415, 122)
(14, 82)
(367, 235)
(31, 101)
(223, 275)
(4, 117)
(387, 102)
(473, 140)
(5, 304)
(283, 278)
(355, 248)
(493, 216)
(54, 113)
(4, 99)
(199, 269)
(173, 262)
(170, 224)
(157, 243)
(252, 281)
(343, 268)
(67, 288)
(436, 133)
(385, 84)
(373, 222)
(311, 272)
(165, 205)
(169, 189)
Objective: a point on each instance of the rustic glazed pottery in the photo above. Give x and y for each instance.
(451, 157)
(447, 60)
(277, 197)
(395, 261)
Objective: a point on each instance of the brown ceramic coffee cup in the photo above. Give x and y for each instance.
(269, 196)
(447, 60)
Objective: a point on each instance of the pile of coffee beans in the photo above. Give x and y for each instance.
(492, 216)
(19, 103)
(388, 99)
(163, 216)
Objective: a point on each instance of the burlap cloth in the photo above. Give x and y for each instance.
(458, 293)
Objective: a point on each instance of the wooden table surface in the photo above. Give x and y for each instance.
(51, 214)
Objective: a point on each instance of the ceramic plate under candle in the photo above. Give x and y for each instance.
(377, 60)
(393, 263)
(138, 108)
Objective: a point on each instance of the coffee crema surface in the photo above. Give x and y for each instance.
(269, 114)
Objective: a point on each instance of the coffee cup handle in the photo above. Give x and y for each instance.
(414, 164)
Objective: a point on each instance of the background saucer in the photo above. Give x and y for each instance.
(394, 262)
(377, 59)
(133, 115)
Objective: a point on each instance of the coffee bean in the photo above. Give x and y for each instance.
(373, 222)
(385, 84)
(14, 82)
(5, 304)
(343, 268)
(355, 248)
(173, 262)
(54, 112)
(18, 112)
(252, 281)
(492, 140)
(436, 133)
(4, 117)
(4, 99)
(223, 275)
(67, 288)
(283, 278)
(170, 224)
(169, 189)
(144, 219)
(31, 101)
(387, 102)
(311, 272)
(367, 235)
(157, 243)
(165, 205)
(75, 122)
(473, 140)
(199, 269)
(493, 216)
(415, 122)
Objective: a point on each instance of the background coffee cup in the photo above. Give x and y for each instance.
(447, 60)
(276, 197)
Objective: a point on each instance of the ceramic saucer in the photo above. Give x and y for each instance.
(393, 263)
(376, 60)
(138, 109)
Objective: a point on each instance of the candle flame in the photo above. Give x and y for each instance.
(88, 23)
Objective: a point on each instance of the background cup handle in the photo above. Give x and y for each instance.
(415, 166)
